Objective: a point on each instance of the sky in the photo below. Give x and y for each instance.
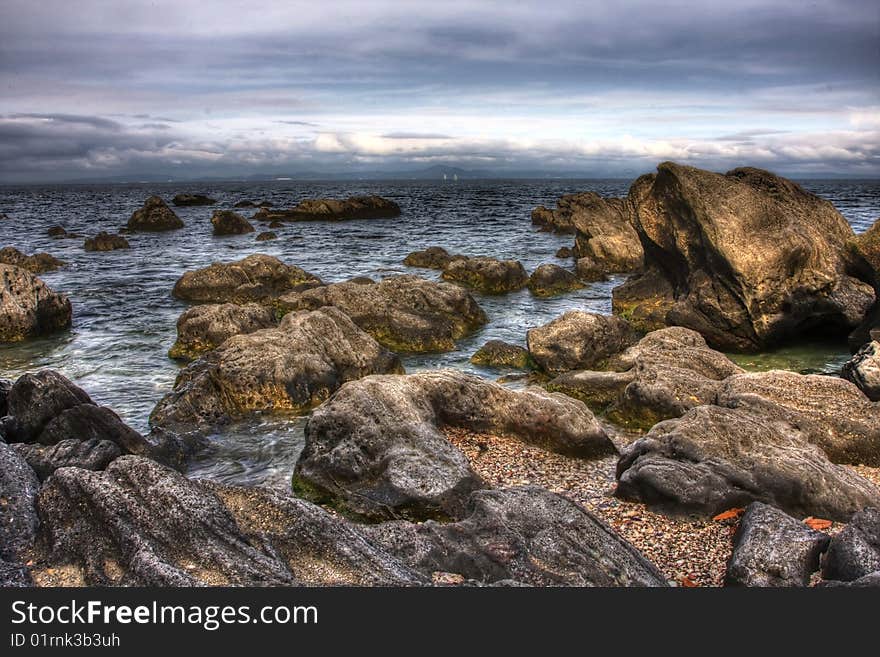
(229, 88)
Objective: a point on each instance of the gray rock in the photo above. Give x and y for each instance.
(855, 551)
(203, 328)
(578, 340)
(771, 548)
(863, 369)
(18, 517)
(13, 575)
(36, 399)
(90, 454)
(28, 308)
(871, 580)
(154, 216)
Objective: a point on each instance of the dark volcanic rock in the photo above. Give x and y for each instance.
(257, 277)
(91, 454)
(153, 217)
(203, 328)
(497, 353)
(18, 516)
(376, 448)
(35, 400)
(266, 235)
(36, 264)
(192, 199)
(28, 307)
(863, 369)
(578, 340)
(403, 313)
(354, 207)
(527, 535)
(488, 275)
(749, 259)
(855, 552)
(550, 280)
(104, 241)
(434, 257)
(713, 459)
(289, 368)
(771, 548)
(227, 222)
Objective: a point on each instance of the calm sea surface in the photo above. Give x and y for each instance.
(124, 316)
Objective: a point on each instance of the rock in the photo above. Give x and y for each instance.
(227, 222)
(830, 412)
(527, 535)
(290, 368)
(487, 275)
(403, 313)
(557, 221)
(564, 252)
(863, 370)
(434, 257)
(38, 263)
(13, 575)
(867, 245)
(34, 400)
(56, 231)
(588, 270)
(578, 340)
(276, 224)
(713, 459)
(265, 236)
(604, 233)
(258, 277)
(153, 217)
(4, 216)
(550, 280)
(354, 207)
(203, 328)
(750, 259)
(18, 517)
(104, 241)
(868, 330)
(664, 375)
(771, 548)
(91, 454)
(644, 300)
(245, 204)
(192, 199)
(377, 449)
(872, 580)
(854, 552)
(497, 353)
(5, 387)
(28, 307)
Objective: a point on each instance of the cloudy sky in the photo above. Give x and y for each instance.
(235, 88)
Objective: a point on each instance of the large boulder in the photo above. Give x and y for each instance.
(290, 368)
(770, 548)
(104, 241)
(863, 369)
(747, 258)
(487, 275)
(258, 277)
(154, 216)
(325, 209)
(664, 375)
(526, 535)
(830, 412)
(713, 459)
(434, 257)
(227, 222)
(403, 313)
(183, 200)
(37, 263)
(89, 454)
(855, 552)
(604, 233)
(28, 308)
(377, 447)
(578, 340)
(18, 516)
(550, 280)
(203, 328)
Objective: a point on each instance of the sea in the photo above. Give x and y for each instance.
(124, 318)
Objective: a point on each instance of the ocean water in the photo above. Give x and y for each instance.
(124, 315)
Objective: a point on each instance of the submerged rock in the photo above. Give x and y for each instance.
(854, 553)
(203, 328)
(550, 280)
(488, 275)
(258, 277)
(863, 370)
(748, 259)
(153, 217)
(377, 449)
(227, 222)
(497, 353)
(526, 535)
(354, 207)
(771, 548)
(434, 257)
(266, 235)
(192, 199)
(57, 231)
(37, 263)
(713, 459)
(578, 340)
(28, 308)
(290, 368)
(104, 241)
(403, 313)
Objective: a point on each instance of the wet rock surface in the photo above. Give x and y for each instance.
(227, 222)
(37, 263)
(354, 207)
(434, 257)
(154, 216)
(203, 328)
(104, 241)
(184, 200)
(28, 307)
(487, 275)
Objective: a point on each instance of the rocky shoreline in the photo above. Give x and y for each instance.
(640, 455)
